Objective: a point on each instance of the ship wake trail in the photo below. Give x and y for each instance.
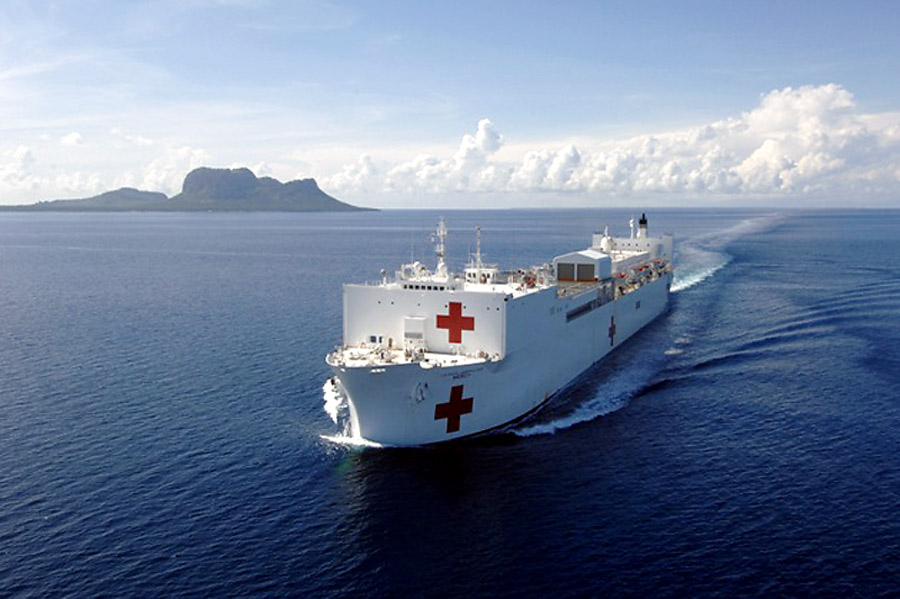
(701, 257)
(609, 396)
(698, 259)
(695, 265)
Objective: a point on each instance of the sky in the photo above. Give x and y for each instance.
(458, 104)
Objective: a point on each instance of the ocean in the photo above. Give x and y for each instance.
(163, 431)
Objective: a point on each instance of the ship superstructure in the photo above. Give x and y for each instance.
(431, 356)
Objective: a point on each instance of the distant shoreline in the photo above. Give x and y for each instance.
(207, 190)
(30, 208)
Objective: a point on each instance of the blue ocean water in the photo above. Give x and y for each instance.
(162, 422)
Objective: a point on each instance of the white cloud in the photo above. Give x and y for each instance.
(469, 168)
(138, 140)
(77, 184)
(23, 176)
(260, 169)
(811, 139)
(16, 170)
(166, 172)
(19, 172)
(547, 169)
(363, 175)
(73, 139)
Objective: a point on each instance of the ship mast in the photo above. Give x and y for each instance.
(478, 263)
(439, 237)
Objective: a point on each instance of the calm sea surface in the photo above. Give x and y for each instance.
(162, 422)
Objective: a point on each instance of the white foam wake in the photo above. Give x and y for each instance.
(338, 409)
(611, 395)
(350, 441)
(696, 265)
(334, 400)
(701, 257)
(593, 408)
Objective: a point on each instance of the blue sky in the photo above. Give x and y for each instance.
(426, 104)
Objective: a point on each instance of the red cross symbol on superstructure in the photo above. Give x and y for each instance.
(454, 409)
(612, 330)
(455, 322)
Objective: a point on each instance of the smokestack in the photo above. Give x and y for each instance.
(642, 226)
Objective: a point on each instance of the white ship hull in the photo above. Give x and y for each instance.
(550, 339)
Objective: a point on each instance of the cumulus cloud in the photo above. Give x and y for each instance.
(470, 168)
(138, 140)
(77, 184)
(16, 170)
(795, 141)
(166, 172)
(363, 175)
(260, 169)
(72, 139)
(23, 176)
(20, 172)
(546, 169)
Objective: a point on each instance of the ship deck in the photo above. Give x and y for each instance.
(514, 289)
(379, 357)
(574, 289)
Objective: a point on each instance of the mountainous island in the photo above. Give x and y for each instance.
(207, 190)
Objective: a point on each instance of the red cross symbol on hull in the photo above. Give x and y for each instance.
(454, 409)
(612, 331)
(455, 322)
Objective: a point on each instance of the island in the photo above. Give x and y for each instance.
(207, 190)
